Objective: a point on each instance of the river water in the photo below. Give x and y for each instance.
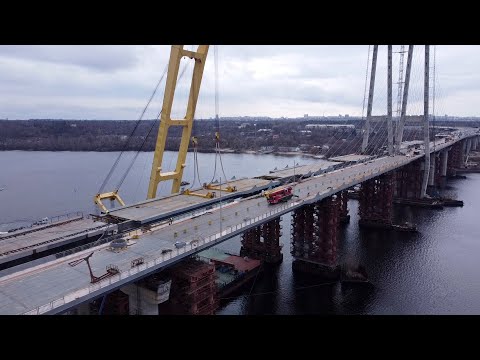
(432, 272)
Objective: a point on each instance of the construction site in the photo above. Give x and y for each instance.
(161, 256)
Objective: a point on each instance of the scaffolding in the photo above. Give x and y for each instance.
(271, 232)
(455, 158)
(315, 232)
(194, 291)
(408, 185)
(343, 211)
(263, 242)
(252, 246)
(376, 201)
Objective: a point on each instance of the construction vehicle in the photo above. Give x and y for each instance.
(279, 195)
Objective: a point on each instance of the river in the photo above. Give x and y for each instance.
(431, 272)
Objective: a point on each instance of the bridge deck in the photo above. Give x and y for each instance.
(299, 170)
(164, 207)
(34, 287)
(351, 158)
(50, 236)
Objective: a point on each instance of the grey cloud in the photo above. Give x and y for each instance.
(97, 57)
(115, 81)
(259, 51)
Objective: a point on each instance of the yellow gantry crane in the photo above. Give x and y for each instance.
(112, 195)
(176, 54)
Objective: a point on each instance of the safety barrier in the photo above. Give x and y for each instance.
(161, 258)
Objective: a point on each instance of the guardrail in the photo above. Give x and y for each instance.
(42, 309)
(63, 217)
(51, 222)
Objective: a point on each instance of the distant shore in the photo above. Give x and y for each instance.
(259, 152)
(223, 151)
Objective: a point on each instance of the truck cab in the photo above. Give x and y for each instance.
(279, 195)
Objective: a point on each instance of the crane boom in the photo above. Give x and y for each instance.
(176, 54)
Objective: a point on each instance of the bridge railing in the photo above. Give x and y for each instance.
(63, 217)
(157, 260)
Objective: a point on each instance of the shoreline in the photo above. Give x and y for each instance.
(224, 151)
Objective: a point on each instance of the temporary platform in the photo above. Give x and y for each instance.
(301, 170)
(36, 240)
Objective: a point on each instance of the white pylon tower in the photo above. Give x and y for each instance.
(366, 127)
(400, 80)
(426, 133)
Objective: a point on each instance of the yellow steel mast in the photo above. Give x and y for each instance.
(176, 54)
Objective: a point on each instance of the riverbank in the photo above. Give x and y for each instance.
(203, 151)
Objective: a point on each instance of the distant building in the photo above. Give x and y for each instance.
(329, 126)
(305, 116)
(288, 149)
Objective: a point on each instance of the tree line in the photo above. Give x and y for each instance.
(237, 135)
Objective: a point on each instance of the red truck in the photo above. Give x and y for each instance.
(276, 196)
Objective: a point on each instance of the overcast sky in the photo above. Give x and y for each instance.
(115, 82)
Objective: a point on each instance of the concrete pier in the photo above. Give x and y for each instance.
(144, 300)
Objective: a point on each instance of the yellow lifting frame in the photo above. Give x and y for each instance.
(208, 195)
(216, 187)
(176, 54)
(113, 195)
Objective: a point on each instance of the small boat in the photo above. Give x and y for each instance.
(184, 183)
(406, 226)
(2, 188)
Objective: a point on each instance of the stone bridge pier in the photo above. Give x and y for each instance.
(444, 163)
(475, 143)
